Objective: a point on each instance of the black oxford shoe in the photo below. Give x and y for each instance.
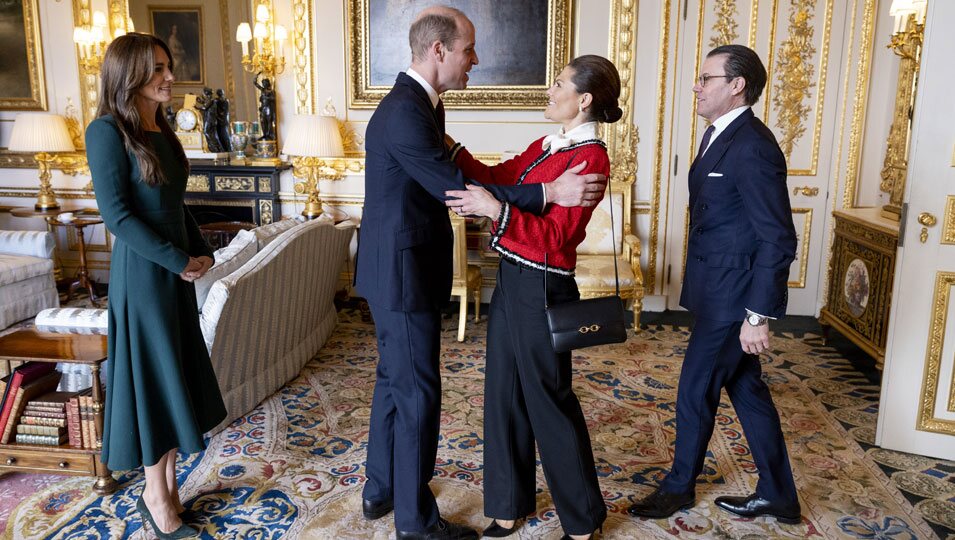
(755, 506)
(442, 530)
(376, 509)
(661, 504)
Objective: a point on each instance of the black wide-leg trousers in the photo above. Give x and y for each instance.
(528, 397)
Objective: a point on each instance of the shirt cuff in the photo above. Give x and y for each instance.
(751, 312)
(544, 193)
(454, 150)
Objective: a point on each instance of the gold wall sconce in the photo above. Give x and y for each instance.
(906, 42)
(44, 135)
(268, 57)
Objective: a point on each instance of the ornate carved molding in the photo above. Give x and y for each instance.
(804, 239)
(794, 76)
(724, 29)
(302, 56)
(927, 421)
(664, 50)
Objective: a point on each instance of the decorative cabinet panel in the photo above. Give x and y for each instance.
(862, 269)
(233, 192)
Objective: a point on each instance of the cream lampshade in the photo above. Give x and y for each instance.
(42, 134)
(313, 139)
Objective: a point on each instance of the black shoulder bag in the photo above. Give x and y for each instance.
(585, 323)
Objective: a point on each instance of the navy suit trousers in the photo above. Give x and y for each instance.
(715, 360)
(405, 416)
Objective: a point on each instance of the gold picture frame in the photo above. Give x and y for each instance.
(22, 84)
(180, 27)
(367, 85)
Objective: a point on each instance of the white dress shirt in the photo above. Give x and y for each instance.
(721, 123)
(432, 93)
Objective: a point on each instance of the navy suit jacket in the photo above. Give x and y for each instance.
(405, 240)
(741, 236)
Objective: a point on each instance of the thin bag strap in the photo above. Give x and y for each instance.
(613, 239)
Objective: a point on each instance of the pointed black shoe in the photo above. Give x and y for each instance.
(495, 530)
(661, 504)
(373, 510)
(442, 530)
(590, 536)
(183, 531)
(755, 506)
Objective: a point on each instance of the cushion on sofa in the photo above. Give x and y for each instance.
(31, 243)
(72, 320)
(267, 233)
(228, 259)
(14, 268)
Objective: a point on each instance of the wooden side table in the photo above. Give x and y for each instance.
(30, 344)
(82, 273)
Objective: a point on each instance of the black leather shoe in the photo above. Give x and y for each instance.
(589, 536)
(661, 504)
(496, 530)
(755, 506)
(376, 509)
(442, 530)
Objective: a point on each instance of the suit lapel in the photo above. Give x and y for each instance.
(705, 165)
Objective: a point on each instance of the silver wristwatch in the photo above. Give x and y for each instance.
(756, 320)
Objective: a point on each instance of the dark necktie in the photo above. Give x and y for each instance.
(439, 113)
(707, 135)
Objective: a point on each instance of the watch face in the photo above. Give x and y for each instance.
(186, 120)
(753, 320)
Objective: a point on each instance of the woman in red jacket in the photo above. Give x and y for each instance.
(527, 391)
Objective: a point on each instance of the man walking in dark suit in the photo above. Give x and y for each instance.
(741, 243)
(404, 267)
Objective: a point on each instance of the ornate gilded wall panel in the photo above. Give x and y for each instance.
(948, 223)
(927, 420)
(725, 27)
(302, 56)
(802, 252)
(658, 161)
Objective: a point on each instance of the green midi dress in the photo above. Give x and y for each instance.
(161, 391)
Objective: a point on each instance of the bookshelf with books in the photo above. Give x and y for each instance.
(42, 430)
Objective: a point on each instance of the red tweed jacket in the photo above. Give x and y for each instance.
(523, 237)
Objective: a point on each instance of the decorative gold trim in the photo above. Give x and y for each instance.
(767, 92)
(13, 160)
(89, 82)
(794, 76)
(203, 72)
(948, 227)
(118, 16)
(35, 74)
(650, 278)
(265, 184)
(28, 193)
(362, 95)
(302, 56)
(244, 184)
(753, 19)
(221, 202)
(927, 421)
(622, 137)
(265, 211)
(860, 103)
(197, 183)
(804, 252)
(226, 36)
(725, 26)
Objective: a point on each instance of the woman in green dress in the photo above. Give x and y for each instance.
(161, 391)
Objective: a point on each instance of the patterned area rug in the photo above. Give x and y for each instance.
(293, 467)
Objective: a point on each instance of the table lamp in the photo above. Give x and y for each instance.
(313, 142)
(42, 134)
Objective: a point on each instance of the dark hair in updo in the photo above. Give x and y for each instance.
(597, 76)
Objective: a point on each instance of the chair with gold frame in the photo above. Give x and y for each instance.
(466, 279)
(595, 271)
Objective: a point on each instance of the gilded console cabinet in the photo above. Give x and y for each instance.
(862, 269)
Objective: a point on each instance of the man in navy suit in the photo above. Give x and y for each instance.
(404, 267)
(741, 243)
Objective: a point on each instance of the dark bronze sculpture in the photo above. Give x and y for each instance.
(266, 107)
(222, 121)
(208, 105)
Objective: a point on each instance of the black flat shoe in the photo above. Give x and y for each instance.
(496, 530)
(188, 516)
(755, 506)
(373, 510)
(661, 504)
(442, 530)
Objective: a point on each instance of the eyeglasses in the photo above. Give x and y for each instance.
(703, 78)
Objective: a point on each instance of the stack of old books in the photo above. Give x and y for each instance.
(33, 412)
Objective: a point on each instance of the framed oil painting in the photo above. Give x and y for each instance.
(181, 29)
(520, 50)
(22, 86)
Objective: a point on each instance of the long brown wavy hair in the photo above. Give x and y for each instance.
(128, 66)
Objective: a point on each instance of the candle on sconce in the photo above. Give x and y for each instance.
(243, 34)
(280, 36)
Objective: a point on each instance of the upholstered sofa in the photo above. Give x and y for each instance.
(26, 275)
(263, 321)
(266, 307)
